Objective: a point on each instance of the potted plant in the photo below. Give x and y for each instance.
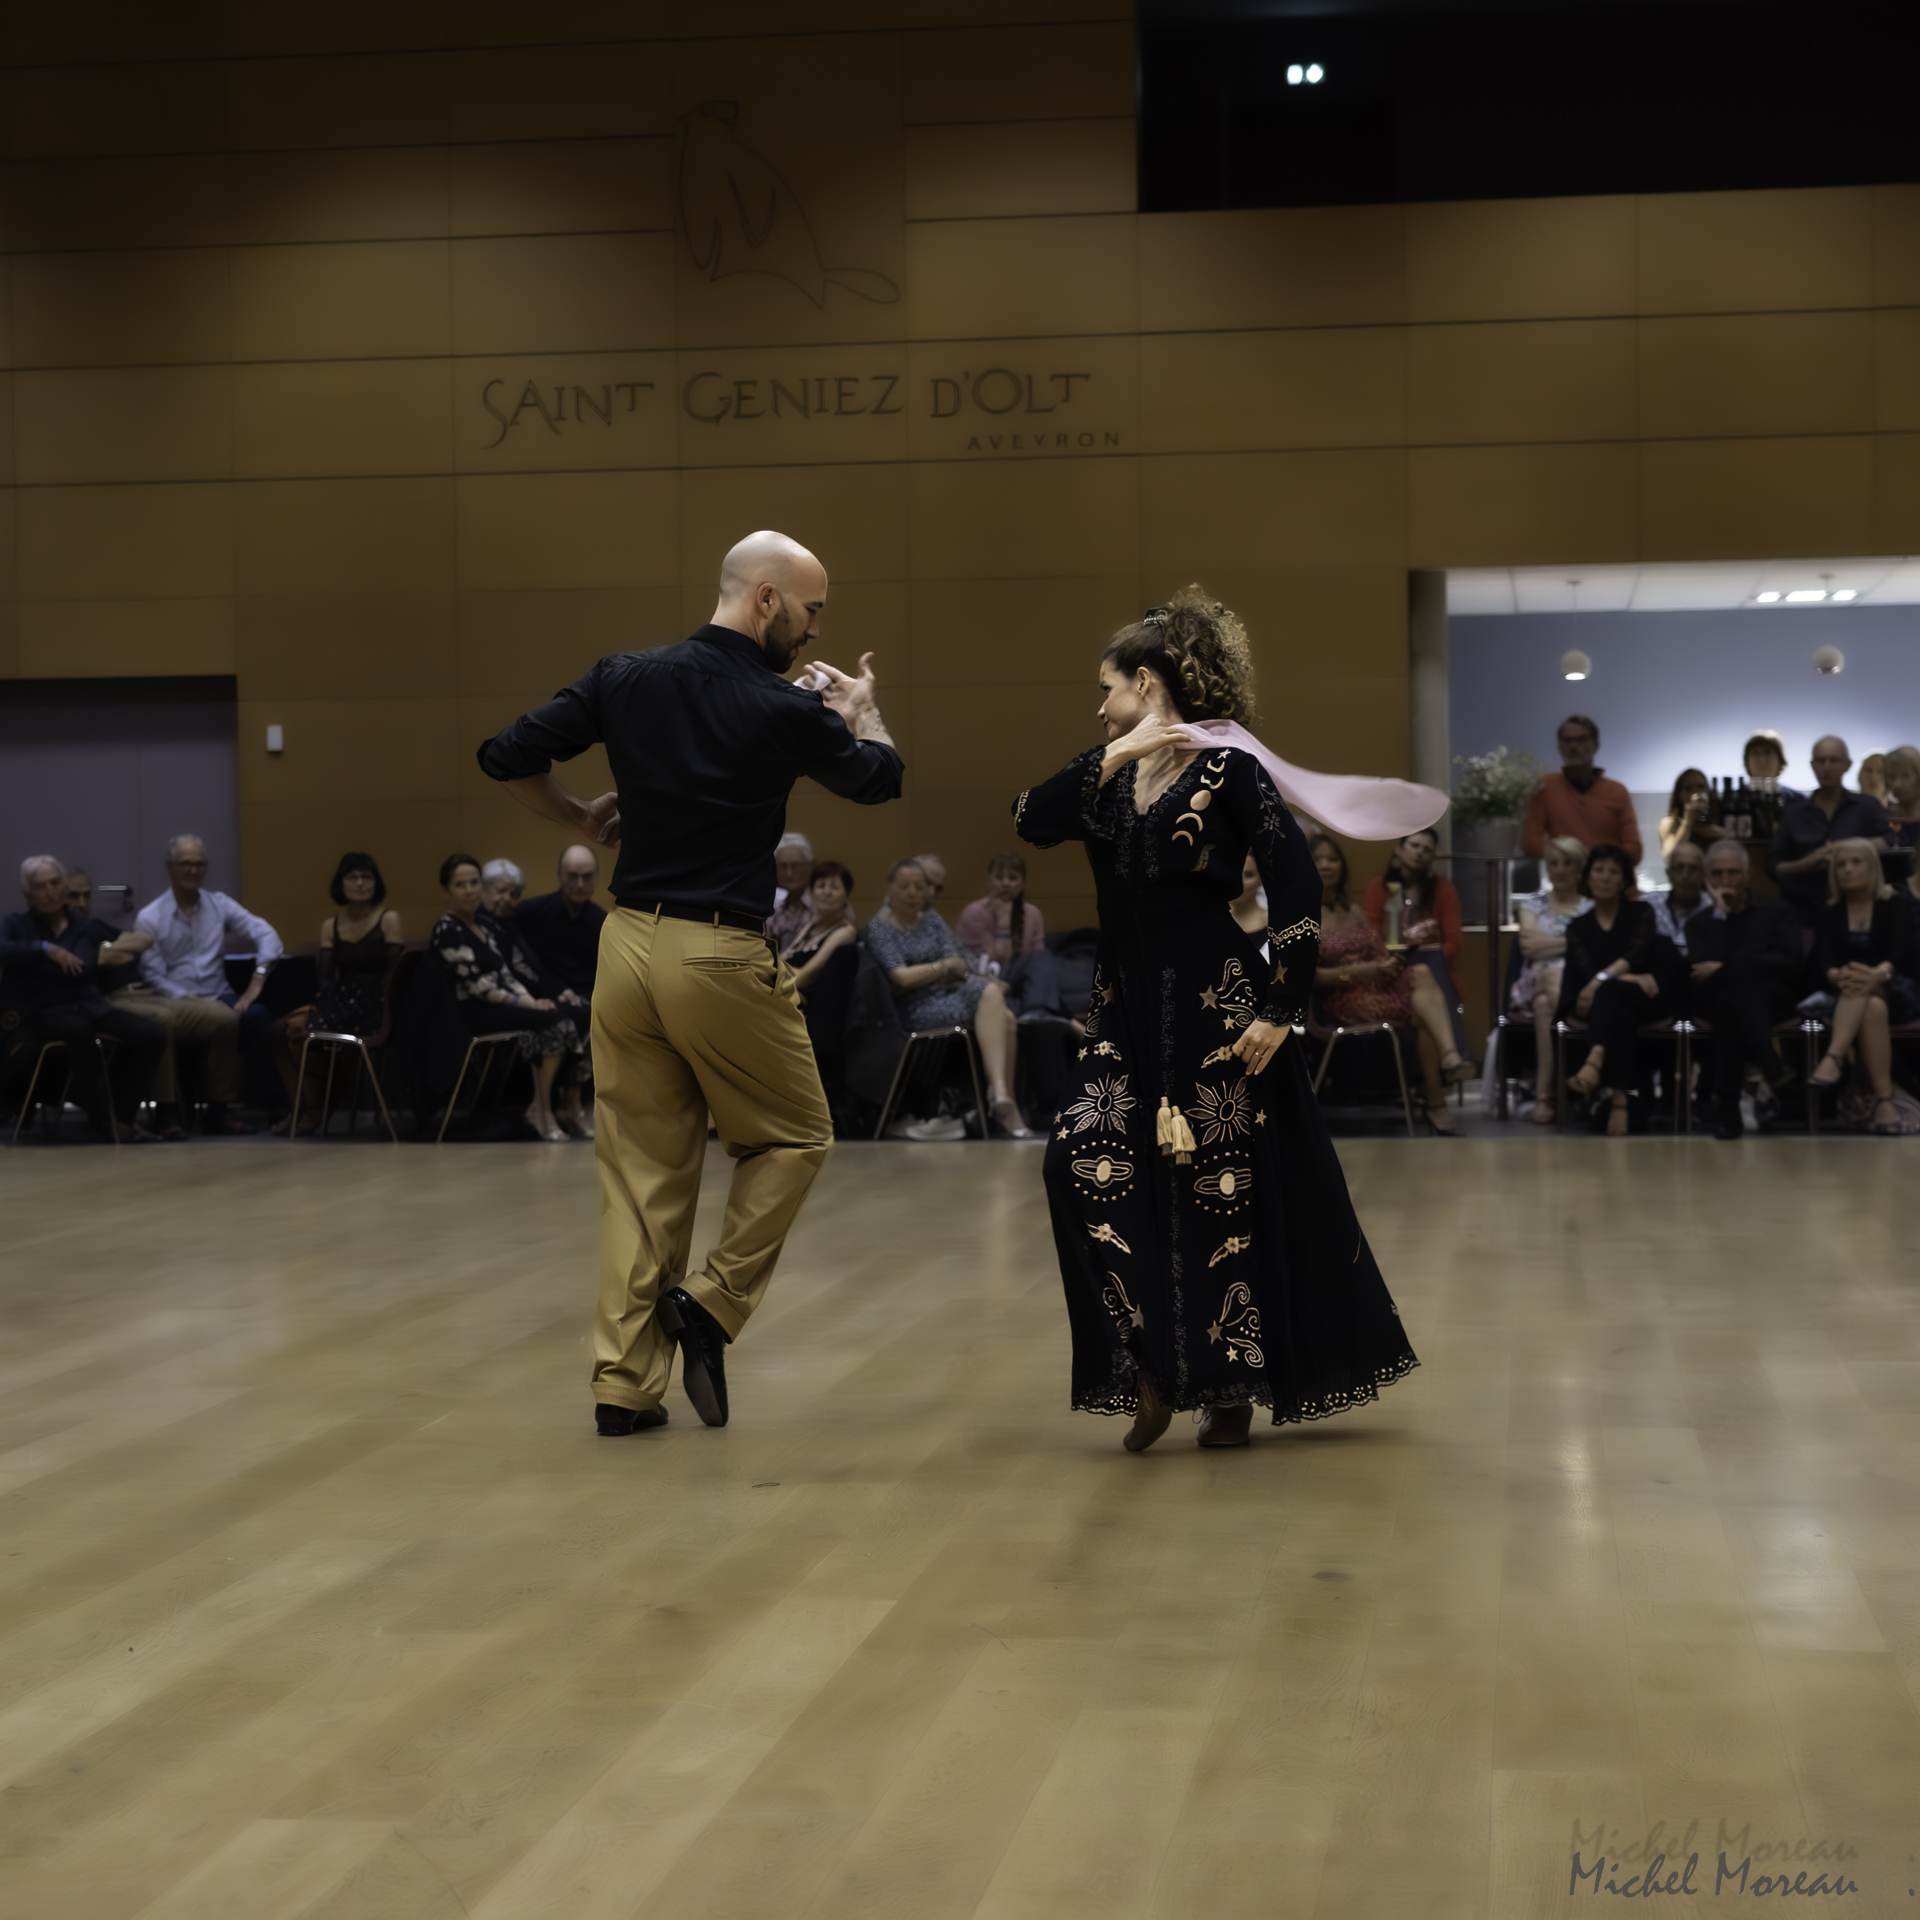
(1488, 798)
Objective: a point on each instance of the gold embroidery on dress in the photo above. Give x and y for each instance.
(1221, 1112)
(1105, 1105)
(1236, 1243)
(1109, 1178)
(1114, 1296)
(1232, 999)
(1107, 1237)
(1239, 1326)
(1234, 1185)
(1201, 801)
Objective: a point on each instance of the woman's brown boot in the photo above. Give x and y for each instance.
(1152, 1418)
(1225, 1427)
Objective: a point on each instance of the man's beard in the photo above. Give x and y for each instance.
(783, 644)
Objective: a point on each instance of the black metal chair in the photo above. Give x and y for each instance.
(491, 1042)
(916, 1043)
(51, 1110)
(1677, 1031)
(365, 1066)
(1329, 1035)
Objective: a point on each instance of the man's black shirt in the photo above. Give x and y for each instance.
(705, 741)
(33, 981)
(1804, 828)
(1764, 933)
(567, 945)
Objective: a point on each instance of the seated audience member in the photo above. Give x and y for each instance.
(1809, 829)
(1864, 954)
(357, 944)
(1544, 918)
(1764, 760)
(50, 959)
(1903, 812)
(1360, 984)
(1616, 978)
(1692, 814)
(1745, 959)
(1429, 918)
(935, 987)
(1003, 925)
(492, 998)
(1686, 894)
(1873, 777)
(563, 927)
(501, 886)
(1250, 904)
(830, 927)
(183, 986)
(1580, 802)
(80, 893)
(936, 871)
(792, 864)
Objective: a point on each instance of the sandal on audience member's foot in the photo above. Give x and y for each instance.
(1884, 1129)
(1543, 1114)
(1152, 1418)
(1618, 1122)
(1457, 1069)
(1009, 1119)
(1839, 1070)
(1585, 1083)
(1449, 1131)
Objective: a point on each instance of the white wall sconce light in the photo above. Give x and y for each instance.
(1829, 660)
(1574, 665)
(276, 739)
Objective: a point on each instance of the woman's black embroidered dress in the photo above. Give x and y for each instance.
(1243, 1277)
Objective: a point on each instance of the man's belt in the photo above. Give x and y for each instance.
(706, 916)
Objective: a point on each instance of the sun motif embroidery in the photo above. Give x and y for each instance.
(1239, 1326)
(1220, 1113)
(1104, 1106)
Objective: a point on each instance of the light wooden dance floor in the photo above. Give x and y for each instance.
(319, 1597)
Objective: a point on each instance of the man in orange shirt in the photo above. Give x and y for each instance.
(1580, 800)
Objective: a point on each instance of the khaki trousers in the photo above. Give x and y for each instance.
(190, 1023)
(687, 1017)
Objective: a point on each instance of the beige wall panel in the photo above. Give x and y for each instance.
(1521, 259)
(1020, 167)
(1067, 72)
(1289, 267)
(1310, 387)
(341, 27)
(868, 616)
(95, 543)
(781, 408)
(59, 638)
(995, 13)
(505, 23)
(1708, 500)
(560, 93)
(866, 839)
(1734, 375)
(1036, 521)
(307, 646)
(10, 518)
(988, 401)
(479, 720)
(94, 309)
(1896, 246)
(134, 423)
(575, 293)
(7, 430)
(854, 518)
(1202, 512)
(1540, 380)
(292, 847)
(379, 193)
(155, 201)
(1032, 736)
(352, 100)
(330, 536)
(1896, 370)
(9, 640)
(341, 302)
(562, 412)
(1514, 506)
(351, 417)
(377, 749)
(703, 19)
(133, 29)
(1740, 252)
(98, 109)
(996, 277)
(1019, 633)
(521, 648)
(1896, 493)
(816, 250)
(569, 530)
(562, 186)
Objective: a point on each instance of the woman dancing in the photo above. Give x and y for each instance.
(1210, 1253)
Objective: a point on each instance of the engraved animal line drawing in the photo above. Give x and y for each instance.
(739, 215)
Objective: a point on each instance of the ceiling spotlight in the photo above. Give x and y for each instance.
(1803, 596)
(1829, 660)
(1575, 665)
(1295, 74)
(1846, 593)
(1315, 74)
(1766, 599)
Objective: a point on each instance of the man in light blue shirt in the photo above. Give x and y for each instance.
(183, 986)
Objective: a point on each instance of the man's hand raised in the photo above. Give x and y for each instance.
(852, 699)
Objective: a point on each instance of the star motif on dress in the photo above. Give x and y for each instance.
(1083, 1053)
(1209, 997)
(1213, 1332)
(1279, 976)
(1139, 1318)
(1259, 1119)
(1108, 996)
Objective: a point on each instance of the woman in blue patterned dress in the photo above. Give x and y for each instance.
(1211, 1255)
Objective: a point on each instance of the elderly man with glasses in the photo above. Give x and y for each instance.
(1810, 829)
(183, 986)
(1579, 801)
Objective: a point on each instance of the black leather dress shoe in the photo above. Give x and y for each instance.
(615, 1421)
(1727, 1124)
(703, 1353)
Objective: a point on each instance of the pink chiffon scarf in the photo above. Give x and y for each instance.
(1359, 805)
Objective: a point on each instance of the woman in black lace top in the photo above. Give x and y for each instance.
(1619, 974)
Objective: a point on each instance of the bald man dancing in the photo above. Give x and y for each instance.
(693, 1010)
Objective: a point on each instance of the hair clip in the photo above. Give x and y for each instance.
(1154, 617)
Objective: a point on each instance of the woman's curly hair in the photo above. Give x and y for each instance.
(1199, 651)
